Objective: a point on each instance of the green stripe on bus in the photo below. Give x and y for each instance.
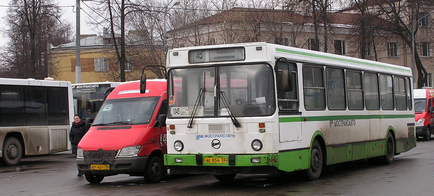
(342, 117)
(340, 59)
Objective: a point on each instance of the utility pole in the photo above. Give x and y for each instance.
(77, 43)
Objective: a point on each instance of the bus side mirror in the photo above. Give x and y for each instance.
(143, 83)
(430, 109)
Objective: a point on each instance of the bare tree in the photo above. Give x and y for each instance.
(33, 26)
(401, 19)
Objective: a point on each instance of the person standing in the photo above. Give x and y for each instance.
(75, 134)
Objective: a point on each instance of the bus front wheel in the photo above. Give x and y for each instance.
(12, 151)
(93, 179)
(225, 177)
(316, 161)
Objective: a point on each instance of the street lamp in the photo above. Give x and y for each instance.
(412, 47)
(166, 9)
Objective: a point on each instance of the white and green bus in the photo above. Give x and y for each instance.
(263, 108)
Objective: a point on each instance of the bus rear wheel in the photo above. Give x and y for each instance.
(225, 177)
(12, 151)
(390, 150)
(316, 161)
(93, 179)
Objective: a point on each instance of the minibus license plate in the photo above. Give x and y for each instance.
(215, 160)
(100, 167)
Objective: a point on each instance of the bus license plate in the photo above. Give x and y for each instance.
(215, 160)
(99, 167)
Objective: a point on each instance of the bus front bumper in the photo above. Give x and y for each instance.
(221, 164)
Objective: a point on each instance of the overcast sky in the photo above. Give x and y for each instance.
(68, 13)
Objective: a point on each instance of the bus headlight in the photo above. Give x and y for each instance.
(256, 145)
(178, 145)
(130, 151)
(80, 153)
(420, 122)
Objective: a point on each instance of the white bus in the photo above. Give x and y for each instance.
(265, 108)
(35, 118)
(88, 97)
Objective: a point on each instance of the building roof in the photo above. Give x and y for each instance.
(237, 15)
(84, 42)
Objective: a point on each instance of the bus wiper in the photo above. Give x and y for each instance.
(226, 103)
(201, 92)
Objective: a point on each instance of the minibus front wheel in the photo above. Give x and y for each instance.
(154, 170)
(94, 179)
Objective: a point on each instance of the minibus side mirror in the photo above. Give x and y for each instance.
(143, 83)
(87, 123)
(161, 121)
(430, 109)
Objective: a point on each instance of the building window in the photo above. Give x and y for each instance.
(101, 64)
(429, 80)
(313, 44)
(368, 51)
(392, 49)
(340, 47)
(211, 41)
(282, 41)
(129, 65)
(425, 49)
(423, 19)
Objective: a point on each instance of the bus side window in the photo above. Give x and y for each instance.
(286, 85)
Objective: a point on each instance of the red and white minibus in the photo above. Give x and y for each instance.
(423, 108)
(128, 135)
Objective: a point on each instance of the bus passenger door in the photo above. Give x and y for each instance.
(287, 95)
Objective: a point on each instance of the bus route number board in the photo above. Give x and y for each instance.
(99, 167)
(215, 160)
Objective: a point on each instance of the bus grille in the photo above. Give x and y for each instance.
(99, 157)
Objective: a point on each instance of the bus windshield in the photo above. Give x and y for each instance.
(243, 90)
(419, 105)
(88, 98)
(126, 111)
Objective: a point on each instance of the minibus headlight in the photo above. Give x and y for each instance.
(178, 145)
(80, 153)
(256, 145)
(420, 122)
(130, 151)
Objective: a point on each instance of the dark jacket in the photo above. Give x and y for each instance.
(75, 135)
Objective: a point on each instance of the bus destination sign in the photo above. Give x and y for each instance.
(216, 55)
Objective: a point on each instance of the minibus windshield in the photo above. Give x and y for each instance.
(127, 111)
(419, 105)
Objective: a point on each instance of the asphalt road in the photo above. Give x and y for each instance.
(410, 174)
